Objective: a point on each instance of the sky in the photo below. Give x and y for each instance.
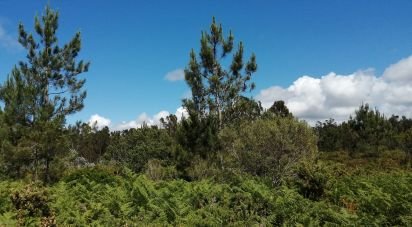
(324, 58)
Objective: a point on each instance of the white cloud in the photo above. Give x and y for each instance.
(7, 41)
(338, 96)
(140, 120)
(144, 118)
(400, 71)
(181, 112)
(156, 117)
(99, 121)
(175, 75)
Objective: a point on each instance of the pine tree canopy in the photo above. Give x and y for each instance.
(214, 88)
(47, 84)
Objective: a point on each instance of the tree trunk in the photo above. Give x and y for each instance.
(47, 170)
(220, 117)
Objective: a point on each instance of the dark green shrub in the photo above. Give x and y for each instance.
(32, 203)
(134, 147)
(268, 147)
(311, 180)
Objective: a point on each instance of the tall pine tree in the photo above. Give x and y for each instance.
(215, 90)
(41, 92)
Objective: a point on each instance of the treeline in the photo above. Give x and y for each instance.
(227, 162)
(368, 132)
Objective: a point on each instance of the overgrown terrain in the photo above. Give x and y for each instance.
(226, 162)
(97, 196)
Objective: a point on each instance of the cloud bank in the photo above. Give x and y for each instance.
(338, 96)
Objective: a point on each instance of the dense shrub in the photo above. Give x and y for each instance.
(311, 180)
(98, 197)
(157, 170)
(134, 147)
(268, 148)
(32, 204)
(380, 199)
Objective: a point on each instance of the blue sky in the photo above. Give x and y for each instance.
(132, 45)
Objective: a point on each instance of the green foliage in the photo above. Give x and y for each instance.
(311, 180)
(6, 189)
(97, 174)
(89, 142)
(268, 147)
(216, 90)
(278, 109)
(157, 170)
(382, 199)
(367, 133)
(406, 143)
(135, 147)
(135, 199)
(32, 206)
(244, 109)
(228, 163)
(329, 135)
(100, 196)
(87, 197)
(37, 97)
(200, 168)
(198, 135)
(371, 129)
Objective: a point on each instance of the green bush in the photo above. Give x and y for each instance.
(311, 180)
(135, 147)
(268, 147)
(32, 206)
(157, 170)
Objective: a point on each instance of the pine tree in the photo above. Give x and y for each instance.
(43, 90)
(52, 70)
(215, 89)
(280, 109)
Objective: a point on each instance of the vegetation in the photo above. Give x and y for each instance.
(216, 90)
(367, 133)
(37, 97)
(228, 163)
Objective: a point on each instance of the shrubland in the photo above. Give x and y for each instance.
(228, 162)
